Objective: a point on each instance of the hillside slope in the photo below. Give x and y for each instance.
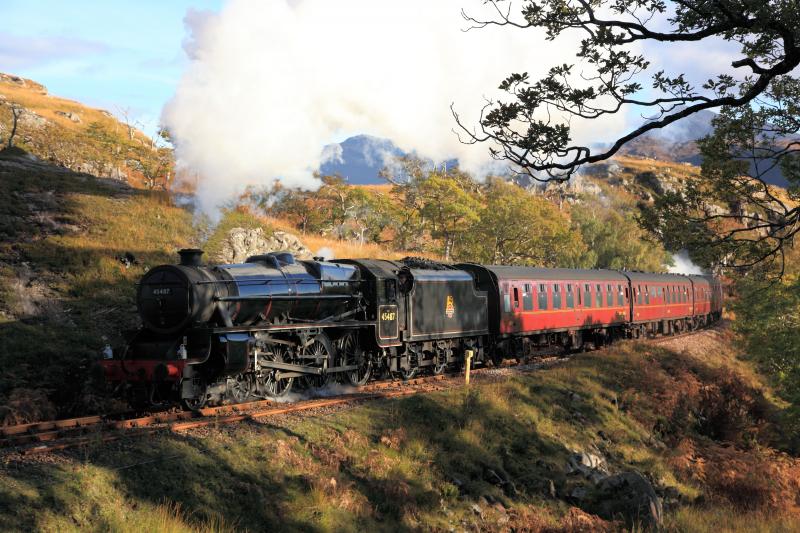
(79, 137)
(515, 452)
(71, 247)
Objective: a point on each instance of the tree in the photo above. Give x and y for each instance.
(616, 241)
(16, 112)
(729, 215)
(533, 129)
(126, 117)
(447, 208)
(154, 165)
(517, 228)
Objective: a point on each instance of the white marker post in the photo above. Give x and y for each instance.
(468, 355)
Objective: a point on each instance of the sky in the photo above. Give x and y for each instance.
(117, 54)
(106, 53)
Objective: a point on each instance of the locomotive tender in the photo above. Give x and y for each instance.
(233, 332)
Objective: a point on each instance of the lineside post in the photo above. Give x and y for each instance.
(468, 355)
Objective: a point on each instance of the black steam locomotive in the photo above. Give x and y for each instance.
(254, 330)
(232, 332)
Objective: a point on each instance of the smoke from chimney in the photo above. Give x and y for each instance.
(271, 82)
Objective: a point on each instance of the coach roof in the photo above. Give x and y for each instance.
(572, 274)
(640, 277)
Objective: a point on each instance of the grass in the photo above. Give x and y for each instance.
(422, 462)
(65, 293)
(34, 98)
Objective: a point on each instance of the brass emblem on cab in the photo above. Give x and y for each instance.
(449, 308)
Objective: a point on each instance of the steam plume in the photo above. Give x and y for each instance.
(271, 82)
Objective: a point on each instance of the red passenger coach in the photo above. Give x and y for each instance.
(707, 295)
(660, 296)
(544, 306)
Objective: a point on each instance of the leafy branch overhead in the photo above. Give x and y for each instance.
(532, 130)
(729, 215)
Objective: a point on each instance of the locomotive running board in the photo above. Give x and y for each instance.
(295, 326)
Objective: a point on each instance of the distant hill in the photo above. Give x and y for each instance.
(359, 159)
(677, 143)
(674, 143)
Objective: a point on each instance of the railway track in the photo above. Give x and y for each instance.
(44, 437)
(55, 435)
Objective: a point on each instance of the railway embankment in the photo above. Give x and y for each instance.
(680, 432)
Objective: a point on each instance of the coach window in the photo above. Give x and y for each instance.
(516, 298)
(506, 299)
(527, 298)
(609, 296)
(587, 295)
(542, 297)
(667, 295)
(599, 295)
(639, 294)
(646, 294)
(556, 296)
(620, 296)
(570, 297)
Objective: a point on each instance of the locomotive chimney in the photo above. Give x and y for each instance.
(190, 256)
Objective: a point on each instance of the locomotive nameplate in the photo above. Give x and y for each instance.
(162, 291)
(387, 322)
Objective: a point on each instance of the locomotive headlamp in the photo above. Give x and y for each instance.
(182, 354)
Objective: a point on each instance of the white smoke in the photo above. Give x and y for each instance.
(325, 253)
(271, 82)
(684, 265)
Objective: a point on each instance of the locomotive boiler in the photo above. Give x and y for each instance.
(210, 332)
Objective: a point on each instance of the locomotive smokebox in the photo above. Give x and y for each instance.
(190, 256)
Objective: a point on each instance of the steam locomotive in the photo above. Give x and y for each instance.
(217, 333)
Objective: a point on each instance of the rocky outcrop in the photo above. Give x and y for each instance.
(627, 495)
(241, 243)
(74, 117)
(31, 120)
(577, 185)
(659, 183)
(631, 495)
